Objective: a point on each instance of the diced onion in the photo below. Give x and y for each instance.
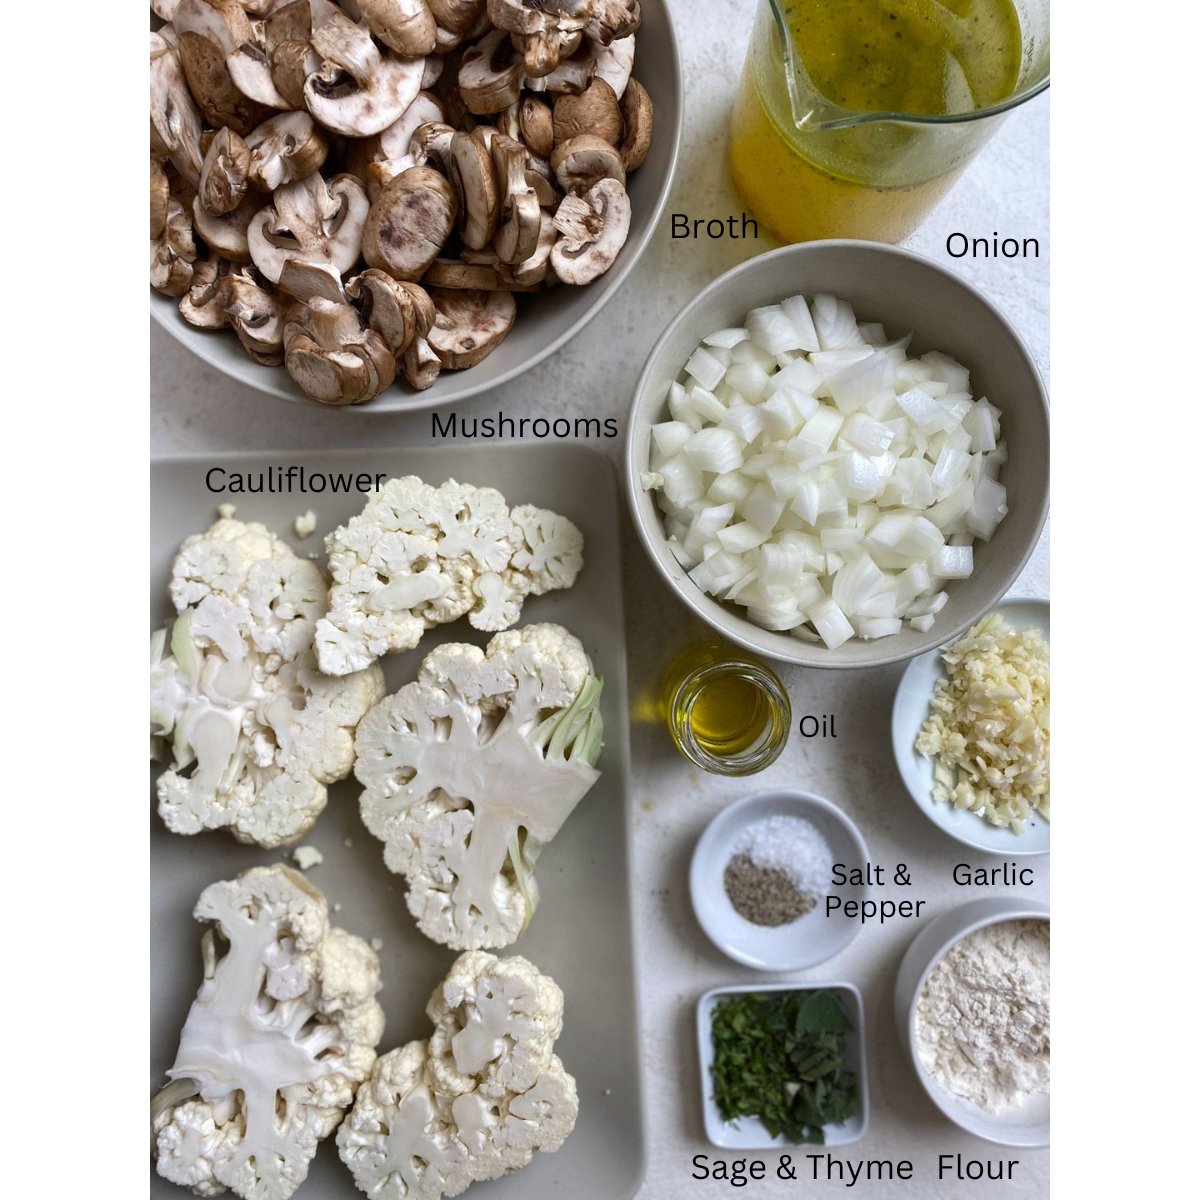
(816, 475)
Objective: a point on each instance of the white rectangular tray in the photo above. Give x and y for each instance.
(582, 933)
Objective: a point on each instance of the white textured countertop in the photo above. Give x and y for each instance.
(1006, 190)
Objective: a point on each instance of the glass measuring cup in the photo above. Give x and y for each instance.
(809, 168)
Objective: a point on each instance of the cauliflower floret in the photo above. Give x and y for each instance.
(552, 551)
(281, 1032)
(256, 732)
(419, 556)
(412, 1137)
(495, 1024)
(469, 771)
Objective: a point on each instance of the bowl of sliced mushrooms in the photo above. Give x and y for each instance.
(400, 203)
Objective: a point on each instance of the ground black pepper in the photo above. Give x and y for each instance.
(764, 895)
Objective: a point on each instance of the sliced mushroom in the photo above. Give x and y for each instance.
(469, 325)
(203, 304)
(489, 78)
(160, 195)
(457, 113)
(358, 91)
(482, 277)
(595, 111)
(572, 74)
(593, 228)
(536, 267)
(539, 177)
(224, 176)
(537, 126)
(209, 32)
(638, 114)
(435, 64)
(474, 177)
(421, 364)
(173, 252)
(407, 26)
(392, 150)
(174, 118)
(249, 67)
(313, 221)
(287, 147)
(164, 8)
(305, 281)
(257, 317)
(332, 356)
(519, 222)
(227, 233)
(546, 35)
(291, 64)
(458, 16)
(584, 161)
(409, 223)
(397, 310)
(614, 64)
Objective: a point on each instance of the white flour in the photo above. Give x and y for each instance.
(983, 1020)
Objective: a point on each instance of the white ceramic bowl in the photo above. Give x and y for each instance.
(906, 293)
(909, 710)
(749, 1133)
(1028, 1125)
(805, 942)
(545, 321)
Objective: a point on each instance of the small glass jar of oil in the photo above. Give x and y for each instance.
(727, 712)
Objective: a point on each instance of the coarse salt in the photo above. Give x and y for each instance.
(792, 845)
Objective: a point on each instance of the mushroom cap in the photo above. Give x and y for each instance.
(469, 325)
(406, 26)
(537, 126)
(227, 233)
(285, 148)
(595, 111)
(305, 281)
(332, 357)
(174, 118)
(584, 161)
(593, 228)
(224, 175)
(489, 77)
(638, 113)
(474, 177)
(458, 16)
(409, 223)
(292, 62)
(313, 221)
(209, 32)
(358, 91)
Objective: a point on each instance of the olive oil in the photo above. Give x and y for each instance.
(727, 712)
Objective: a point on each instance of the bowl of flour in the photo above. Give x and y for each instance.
(972, 1005)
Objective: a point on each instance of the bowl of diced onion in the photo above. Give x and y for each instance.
(838, 455)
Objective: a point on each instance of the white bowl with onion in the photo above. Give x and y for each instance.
(892, 294)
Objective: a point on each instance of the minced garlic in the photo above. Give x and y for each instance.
(989, 725)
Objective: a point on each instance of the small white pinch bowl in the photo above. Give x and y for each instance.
(1028, 1125)
(749, 1133)
(805, 942)
(909, 710)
